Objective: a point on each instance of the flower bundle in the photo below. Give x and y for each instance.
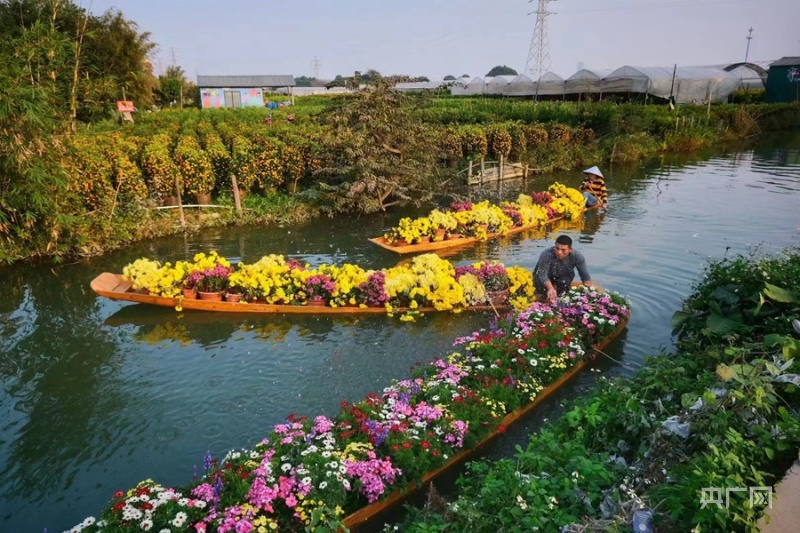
(214, 279)
(493, 275)
(310, 473)
(167, 280)
(319, 287)
(483, 219)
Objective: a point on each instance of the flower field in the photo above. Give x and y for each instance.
(312, 473)
(428, 281)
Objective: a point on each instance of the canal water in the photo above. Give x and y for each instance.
(98, 395)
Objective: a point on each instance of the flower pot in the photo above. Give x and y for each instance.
(400, 242)
(210, 296)
(204, 198)
(453, 236)
(233, 298)
(498, 298)
(170, 200)
(316, 303)
(189, 294)
(424, 240)
(440, 234)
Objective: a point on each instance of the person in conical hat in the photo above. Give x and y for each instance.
(594, 188)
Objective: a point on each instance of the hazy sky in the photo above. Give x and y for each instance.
(435, 38)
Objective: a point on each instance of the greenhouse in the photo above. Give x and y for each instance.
(685, 84)
(585, 81)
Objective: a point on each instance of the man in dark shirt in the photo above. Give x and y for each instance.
(555, 270)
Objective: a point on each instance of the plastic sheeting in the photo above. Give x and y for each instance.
(690, 84)
(585, 81)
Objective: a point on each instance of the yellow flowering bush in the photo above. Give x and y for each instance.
(522, 288)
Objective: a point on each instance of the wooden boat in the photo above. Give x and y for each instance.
(434, 246)
(369, 512)
(113, 286)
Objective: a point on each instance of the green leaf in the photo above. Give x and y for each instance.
(774, 370)
(723, 325)
(770, 453)
(760, 304)
(679, 318)
(726, 294)
(779, 295)
(773, 339)
(714, 306)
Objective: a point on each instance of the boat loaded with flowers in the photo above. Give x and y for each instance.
(274, 284)
(335, 473)
(466, 223)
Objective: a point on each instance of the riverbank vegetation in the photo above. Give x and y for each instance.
(721, 413)
(76, 181)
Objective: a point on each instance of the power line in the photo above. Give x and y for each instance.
(539, 51)
(315, 65)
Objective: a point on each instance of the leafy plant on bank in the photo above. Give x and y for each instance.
(721, 413)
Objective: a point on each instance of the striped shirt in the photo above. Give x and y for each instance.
(596, 186)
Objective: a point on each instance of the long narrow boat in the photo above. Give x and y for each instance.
(434, 246)
(115, 287)
(369, 512)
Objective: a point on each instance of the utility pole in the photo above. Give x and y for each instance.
(315, 64)
(749, 38)
(539, 52)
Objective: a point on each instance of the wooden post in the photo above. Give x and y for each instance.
(469, 175)
(501, 174)
(180, 201)
(236, 200)
(483, 168)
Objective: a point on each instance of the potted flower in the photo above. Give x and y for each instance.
(373, 291)
(495, 279)
(319, 289)
(442, 223)
(209, 283)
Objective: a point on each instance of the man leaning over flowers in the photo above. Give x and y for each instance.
(555, 270)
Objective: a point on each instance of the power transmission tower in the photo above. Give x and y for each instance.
(315, 64)
(749, 37)
(539, 53)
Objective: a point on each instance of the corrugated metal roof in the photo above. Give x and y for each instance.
(786, 62)
(246, 81)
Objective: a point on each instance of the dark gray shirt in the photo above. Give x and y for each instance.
(559, 272)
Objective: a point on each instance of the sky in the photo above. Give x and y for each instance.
(436, 38)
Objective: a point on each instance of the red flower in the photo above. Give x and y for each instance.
(118, 506)
(435, 453)
(147, 505)
(425, 444)
(395, 448)
(501, 428)
(406, 445)
(142, 490)
(119, 494)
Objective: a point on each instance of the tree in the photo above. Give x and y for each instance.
(383, 154)
(304, 81)
(502, 71)
(449, 77)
